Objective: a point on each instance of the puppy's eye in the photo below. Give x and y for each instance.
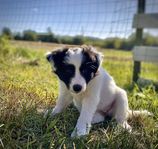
(84, 71)
(68, 71)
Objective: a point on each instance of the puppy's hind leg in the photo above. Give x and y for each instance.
(121, 109)
(97, 118)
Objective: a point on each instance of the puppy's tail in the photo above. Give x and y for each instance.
(136, 113)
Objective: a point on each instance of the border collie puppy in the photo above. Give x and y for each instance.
(93, 91)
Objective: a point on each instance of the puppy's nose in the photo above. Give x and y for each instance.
(77, 88)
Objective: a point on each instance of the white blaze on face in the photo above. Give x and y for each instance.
(75, 58)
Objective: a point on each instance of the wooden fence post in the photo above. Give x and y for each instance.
(139, 37)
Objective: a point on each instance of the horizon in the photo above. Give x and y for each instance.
(93, 18)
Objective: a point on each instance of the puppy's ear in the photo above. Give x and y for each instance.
(95, 56)
(56, 55)
(99, 57)
(49, 56)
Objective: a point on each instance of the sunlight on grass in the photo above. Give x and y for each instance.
(25, 90)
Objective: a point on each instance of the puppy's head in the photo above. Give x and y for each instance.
(76, 67)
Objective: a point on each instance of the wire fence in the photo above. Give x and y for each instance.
(97, 18)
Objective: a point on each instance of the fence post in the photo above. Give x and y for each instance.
(139, 39)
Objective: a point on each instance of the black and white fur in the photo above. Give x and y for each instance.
(93, 91)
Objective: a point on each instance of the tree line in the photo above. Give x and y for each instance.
(49, 36)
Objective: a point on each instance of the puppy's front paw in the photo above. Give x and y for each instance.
(46, 114)
(80, 132)
(74, 133)
(49, 113)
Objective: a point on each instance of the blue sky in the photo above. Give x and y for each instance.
(98, 18)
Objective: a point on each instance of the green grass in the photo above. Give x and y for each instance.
(25, 90)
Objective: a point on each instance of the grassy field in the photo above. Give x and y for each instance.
(27, 87)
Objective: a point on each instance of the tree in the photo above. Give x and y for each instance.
(66, 39)
(117, 43)
(29, 35)
(149, 39)
(50, 36)
(7, 32)
(18, 36)
(78, 40)
(109, 43)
